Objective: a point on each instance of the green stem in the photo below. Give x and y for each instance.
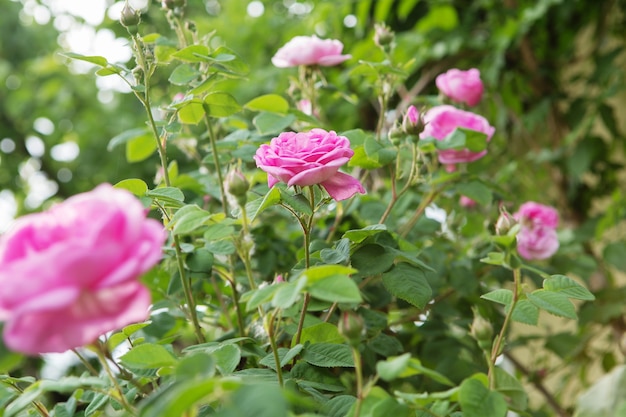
(306, 229)
(272, 336)
(418, 213)
(41, 409)
(86, 363)
(498, 344)
(245, 255)
(410, 180)
(120, 394)
(358, 369)
(216, 161)
(191, 304)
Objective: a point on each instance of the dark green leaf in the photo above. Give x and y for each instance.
(553, 302)
(329, 355)
(408, 283)
(478, 401)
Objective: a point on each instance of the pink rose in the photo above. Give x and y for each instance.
(461, 86)
(537, 214)
(537, 238)
(442, 120)
(309, 50)
(71, 274)
(539, 242)
(309, 158)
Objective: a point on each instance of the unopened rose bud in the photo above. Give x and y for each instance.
(129, 18)
(351, 327)
(505, 222)
(412, 122)
(396, 135)
(482, 331)
(237, 185)
(383, 36)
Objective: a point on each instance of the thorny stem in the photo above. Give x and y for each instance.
(161, 145)
(216, 161)
(497, 346)
(358, 369)
(306, 229)
(410, 180)
(122, 399)
(86, 363)
(272, 336)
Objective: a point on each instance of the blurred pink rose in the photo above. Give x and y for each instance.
(309, 50)
(537, 214)
(309, 158)
(71, 274)
(467, 202)
(537, 238)
(539, 242)
(461, 86)
(442, 120)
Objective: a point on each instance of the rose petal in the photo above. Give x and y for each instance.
(342, 186)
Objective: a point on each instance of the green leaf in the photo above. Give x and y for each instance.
(319, 272)
(227, 358)
(195, 365)
(511, 388)
(321, 332)
(568, 287)
(269, 102)
(477, 400)
(393, 367)
(188, 219)
(259, 296)
(615, 255)
(190, 53)
(270, 123)
(500, 296)
(359, 235)
(553, 302)
(166, 194)
(126, 136)
(220, 104)
(288, 293)
(98, 60)
(336, 289)
(372, 259)
(494, 258)
(191, 113)
(136, 186)
(477, 191)
(329, 355)
(338, 406)
(409, 284)
(257, 206)
(298, 202)
(525, 312)
(148, 356)
(140, 148)
(183, 75)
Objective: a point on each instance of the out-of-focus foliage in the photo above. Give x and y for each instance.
(554, 75)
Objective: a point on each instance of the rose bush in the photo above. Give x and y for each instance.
(310, 50)
(442, 120)
(309, 158)
(461, 86)
(70, 274)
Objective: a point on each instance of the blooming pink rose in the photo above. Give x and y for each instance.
(70, 274)
(539, 242)
(442, 120)
(309, 50)
(461, 86)
(309, 158)
(537, 214)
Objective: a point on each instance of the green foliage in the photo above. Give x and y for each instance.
(225, 336)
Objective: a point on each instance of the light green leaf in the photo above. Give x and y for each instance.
(191, 113)
(183, 74)
(136, 186)
(553, 302)
(329, 355)
(288, 293)
(500, 296)
(190, 53)
(140, 148)
(568, 287)
(321, 332)
(409, 284)
(268, 102)
(336, 289)
(393, 367)
(97, 60)
(220, 104)
(494, 258)
(478, 401)
(525, 312)
(227, 358)
(148, 356)
(257, 206)
(508, 385)
(166, 193)
(270, 123)
(320, 272)
(126, 136)
(188, 219)
(477, 191)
